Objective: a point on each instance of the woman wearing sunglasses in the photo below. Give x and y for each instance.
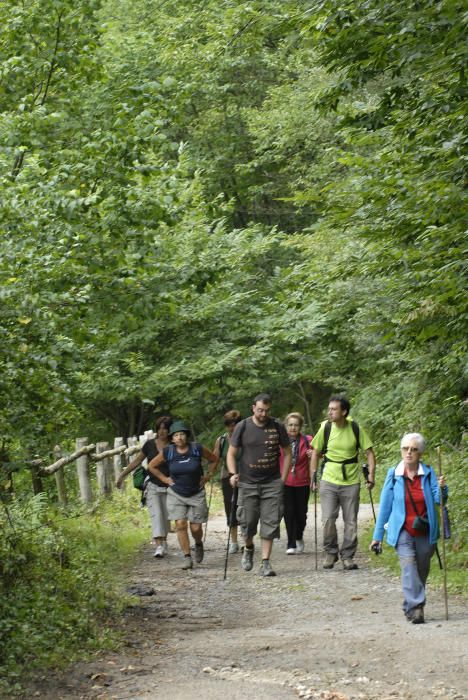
(408, 512)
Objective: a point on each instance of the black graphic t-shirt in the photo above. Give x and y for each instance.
(260, 461)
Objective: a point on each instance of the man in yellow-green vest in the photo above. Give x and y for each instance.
(338, 441)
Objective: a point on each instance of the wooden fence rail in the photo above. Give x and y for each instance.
(109, 463)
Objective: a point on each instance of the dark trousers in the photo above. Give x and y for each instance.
(227, 497)
(296, 500)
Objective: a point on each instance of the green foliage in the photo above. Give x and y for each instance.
(65, 566)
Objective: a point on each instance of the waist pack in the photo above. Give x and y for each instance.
(420, 524)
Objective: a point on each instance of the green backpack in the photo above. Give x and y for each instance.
(139, 478)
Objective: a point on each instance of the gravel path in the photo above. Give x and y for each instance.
(328, 635)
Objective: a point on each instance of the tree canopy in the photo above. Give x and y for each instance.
(204, 200)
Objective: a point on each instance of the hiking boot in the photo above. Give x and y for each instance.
(291, 550)
(188, 563)
(159, 552)
(349, 565)
(199, 552)
(299, 546)
(417, 616)
(247, 558)
(233, 548)
(265, 569)
(330, 560)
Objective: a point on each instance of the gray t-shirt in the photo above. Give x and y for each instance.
(260, 461)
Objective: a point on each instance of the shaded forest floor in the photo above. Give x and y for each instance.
(328, 635)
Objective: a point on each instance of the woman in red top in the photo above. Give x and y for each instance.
(297, 486)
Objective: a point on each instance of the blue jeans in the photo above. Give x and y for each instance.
(415, 560)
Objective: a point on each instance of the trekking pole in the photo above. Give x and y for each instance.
(441, 519)
(209, 506)
(231, 520)
(315, 520)
(365, 471)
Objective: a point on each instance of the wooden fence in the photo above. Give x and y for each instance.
(108, 461)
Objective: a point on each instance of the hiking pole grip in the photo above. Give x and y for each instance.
(365, 471)
(441, 527)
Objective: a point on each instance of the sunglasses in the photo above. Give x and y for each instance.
(409, 449)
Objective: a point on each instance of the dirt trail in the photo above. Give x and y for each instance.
(328, 635)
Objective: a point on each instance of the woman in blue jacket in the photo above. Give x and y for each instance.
(408, 513)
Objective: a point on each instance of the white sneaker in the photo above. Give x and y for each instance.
(299, 546)
(159, 551)
(233, 548)
(165, 547)
(291, 550)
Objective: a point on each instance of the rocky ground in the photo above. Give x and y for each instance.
(328, 635)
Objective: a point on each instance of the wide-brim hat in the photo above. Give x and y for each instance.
(178, 426)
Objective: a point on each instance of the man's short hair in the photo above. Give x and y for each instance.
(344, 403)
(264, 398)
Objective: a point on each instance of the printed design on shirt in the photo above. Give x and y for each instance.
(269, 460)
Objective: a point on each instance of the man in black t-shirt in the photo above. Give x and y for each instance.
(259, 479)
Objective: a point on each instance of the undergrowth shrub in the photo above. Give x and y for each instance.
(61, 581)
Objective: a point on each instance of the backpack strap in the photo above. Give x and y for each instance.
(326, 436)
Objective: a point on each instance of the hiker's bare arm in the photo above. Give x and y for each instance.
(131, 467)
(314, 460)
(153, 467)
(212, 460)
(232, 465)
(370, 457)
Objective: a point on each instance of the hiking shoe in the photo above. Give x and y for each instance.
(233, 548)
(330, 560)
(349, 565)
(265, 569)
(299, 546)
(188, 563)
(291, 550)
(417, 616)
(159, 552)
(247, 558)
(199, 552)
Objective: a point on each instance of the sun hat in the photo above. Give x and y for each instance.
(178, 426)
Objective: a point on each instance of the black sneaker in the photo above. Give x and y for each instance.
(199, 552)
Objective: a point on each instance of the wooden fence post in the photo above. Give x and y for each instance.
(82, 470)
(36, 479)
(60, 479)
(117, 460)
(102, 470)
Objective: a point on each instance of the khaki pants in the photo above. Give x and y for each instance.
(332, 497)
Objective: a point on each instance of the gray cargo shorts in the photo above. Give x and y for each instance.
(262, 502)
(191, 508)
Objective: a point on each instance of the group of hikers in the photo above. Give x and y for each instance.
(268, 470)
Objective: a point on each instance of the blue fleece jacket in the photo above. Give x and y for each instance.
(392, 510)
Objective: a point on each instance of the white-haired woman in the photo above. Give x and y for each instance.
(408, 512)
